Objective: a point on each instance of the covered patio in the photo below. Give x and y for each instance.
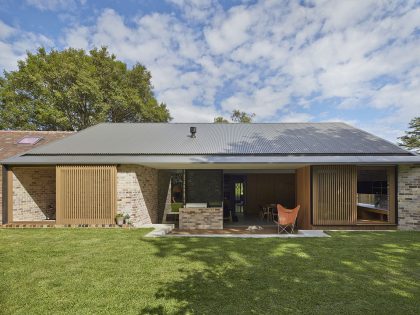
(208, 199)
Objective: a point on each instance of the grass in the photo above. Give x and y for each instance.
(111, 271)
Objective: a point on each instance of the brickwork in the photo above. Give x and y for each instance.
(201, 218)
(409, 197)
(9, 146)
(33, 193)
(137, 193)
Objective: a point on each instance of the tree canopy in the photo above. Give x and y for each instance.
(237, 117)
(411, 139)
(220, 120)
(72, 90)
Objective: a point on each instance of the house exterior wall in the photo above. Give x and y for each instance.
(409, 197)
(3, 192)
(9, 143)
(201, 218)
(137, 193)
(33, 193)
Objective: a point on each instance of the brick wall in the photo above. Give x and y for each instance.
(137, 193)
(409, 197)
(3, 192)
(33, 193)
(201, 218)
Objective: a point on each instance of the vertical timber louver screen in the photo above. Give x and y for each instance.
(86, 194)
(335, 195)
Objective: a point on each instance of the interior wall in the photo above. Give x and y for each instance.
(269, 189)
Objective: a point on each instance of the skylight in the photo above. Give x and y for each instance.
(29, 140)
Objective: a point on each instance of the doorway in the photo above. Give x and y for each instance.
(239, 196)
(234, 196)
(247, 192)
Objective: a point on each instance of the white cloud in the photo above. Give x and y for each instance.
(55, 5)
(296, 117)
(5, 30)
(14, 43)
(77, 37)
(197, 10)
(227, 34)
(282, 61)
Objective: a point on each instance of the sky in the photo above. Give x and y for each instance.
(355, 61)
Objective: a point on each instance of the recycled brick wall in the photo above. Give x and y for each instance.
(3, 192)
(137, 193)
(201, 218)
(409, 197)
(33, 193)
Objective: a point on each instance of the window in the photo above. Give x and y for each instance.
(375, 196)
(29, 140)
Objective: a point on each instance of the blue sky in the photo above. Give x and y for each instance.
(285, 61)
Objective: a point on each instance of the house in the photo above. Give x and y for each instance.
(342, 177)
(14, 142)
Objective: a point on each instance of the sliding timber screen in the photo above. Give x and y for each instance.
(86, 194)
(334, 195)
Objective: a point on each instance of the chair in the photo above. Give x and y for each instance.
(286, 218)
(273, 211)
(265, 212)
(227, 212)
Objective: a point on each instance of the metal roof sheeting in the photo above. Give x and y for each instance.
(220, 139)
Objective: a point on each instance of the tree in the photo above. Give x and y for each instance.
(241, 117)
(237, 117)
(72, 90)
(220, 120)
(411, 140)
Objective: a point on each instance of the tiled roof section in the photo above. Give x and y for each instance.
(221, 139)
(9, 139)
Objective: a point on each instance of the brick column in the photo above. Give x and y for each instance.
(137, 193)
(409, 197)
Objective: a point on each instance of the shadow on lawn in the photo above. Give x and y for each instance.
(354, 273)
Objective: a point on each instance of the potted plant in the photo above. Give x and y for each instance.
(127, 219)
(119, 218)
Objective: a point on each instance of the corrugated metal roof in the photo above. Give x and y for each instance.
(220, 139)
(173, 160)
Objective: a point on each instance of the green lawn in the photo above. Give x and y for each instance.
(109, 271)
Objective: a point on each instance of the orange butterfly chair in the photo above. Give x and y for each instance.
(286, 218)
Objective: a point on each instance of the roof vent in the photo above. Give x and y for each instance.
(193, 131)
